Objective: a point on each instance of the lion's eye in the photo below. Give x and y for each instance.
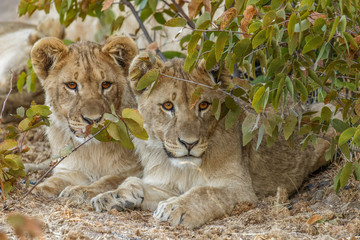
(106, 85)
(168, 106)
(71, 85)
(203, 106)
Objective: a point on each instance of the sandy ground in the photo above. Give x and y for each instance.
(273, 218)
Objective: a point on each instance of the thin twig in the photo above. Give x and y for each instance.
(143, 28)
(61, 159)
(181, 11)
(4, 104)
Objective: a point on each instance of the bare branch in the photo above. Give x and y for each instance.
(4, 104)
(61, 159)
(146, 33)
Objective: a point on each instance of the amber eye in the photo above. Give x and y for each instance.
(71, 85)
(168, 106)
(105, 85)
(203, 106)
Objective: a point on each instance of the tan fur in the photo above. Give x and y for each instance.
(96, 166)
(219, 173)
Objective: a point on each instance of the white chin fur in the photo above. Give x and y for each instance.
(186, 162)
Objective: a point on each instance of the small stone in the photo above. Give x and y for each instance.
(318, 196)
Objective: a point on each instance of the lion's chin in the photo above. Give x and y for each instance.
(186, 162)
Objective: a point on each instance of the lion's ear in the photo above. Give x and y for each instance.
(121, 49)
(45, 53)
(218, 74)
(141, 65)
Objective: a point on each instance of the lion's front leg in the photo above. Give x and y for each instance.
(197, 206)
(83, 193)
(53, 185)
(131, 194)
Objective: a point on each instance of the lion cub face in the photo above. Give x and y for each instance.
(179, 125)
(83, 80)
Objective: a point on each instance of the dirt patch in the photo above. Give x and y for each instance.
(274, 217)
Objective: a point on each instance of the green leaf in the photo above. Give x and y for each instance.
(230, 103)
(345, 150)
(339, 125)
(275, 65)
(254, 27)
(242, 48)
(152, 5)
(146, 80)
(276, 3)
(232, 117)
(350, 39)
(193, 43)
(256, 103)
(312, 44)
(228, 3)
(356, 138)
(111, 117)
(39, 110)
(326, 114)
(116, 25)
(291, 24)
(173, 54)
(333, 29)
(220, 45)
(337, 182)
(210, 60)
(259, 39)
(342, 24)
(7, 144)
(302, 26)
(215, 106)
(102, 136)
(133, 114)
(25, 124)
(269, 18)
(204, 18)
(345, 174)
(329, 154)
(346, 136)
(356, 167)
(21, 81)
(190, 61)
(260, 136)
(247, 128)
(136, 129)
(318, 25)
(176, 22)
(289, 126)
(301, 88)
(20, 111)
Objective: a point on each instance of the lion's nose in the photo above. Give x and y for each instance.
(92, 119)
(188, 146)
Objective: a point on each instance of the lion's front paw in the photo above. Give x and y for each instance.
(78, 194)
(177, 214)
(46, 190)
(120, 199)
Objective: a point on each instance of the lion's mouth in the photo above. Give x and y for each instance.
(80, 132)
(184, 156)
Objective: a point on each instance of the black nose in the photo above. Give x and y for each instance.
(90, 121)
(188, 146)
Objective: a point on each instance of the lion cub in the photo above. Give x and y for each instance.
(195, 170)
(81, 82)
